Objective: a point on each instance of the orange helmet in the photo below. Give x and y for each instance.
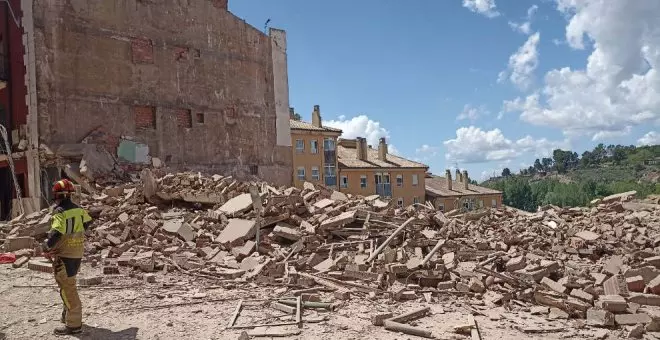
(63, 187)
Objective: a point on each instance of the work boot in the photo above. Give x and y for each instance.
(65, 330)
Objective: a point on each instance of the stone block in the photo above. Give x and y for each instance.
(236, 231)
(582, 295)
(285, 231)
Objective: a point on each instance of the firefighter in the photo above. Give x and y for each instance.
(64, 247)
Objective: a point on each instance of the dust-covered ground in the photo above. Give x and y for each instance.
(127, 308)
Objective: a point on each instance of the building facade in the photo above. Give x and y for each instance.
(189, 82)
(447, 194)
(314, 149)
(366, 171)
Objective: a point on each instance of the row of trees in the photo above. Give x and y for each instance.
(518, 192)
(563, 161)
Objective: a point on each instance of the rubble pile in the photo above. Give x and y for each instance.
(599, 263)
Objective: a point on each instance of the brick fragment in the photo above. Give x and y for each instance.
(477, 286)
(90, 281)
(20, 262)
(516, 263)
(635, 283)
(445, 285)
(110, 270)
(113, 239)
(13, 243)
(654, 285)
(616, 285)
(40, 266)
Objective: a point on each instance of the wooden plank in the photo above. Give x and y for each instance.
(299, 308)
(389, 239)
(234, 316)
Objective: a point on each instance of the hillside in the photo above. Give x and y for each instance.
(569, 180)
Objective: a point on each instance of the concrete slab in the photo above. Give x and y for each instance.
(237, 205)
(237, 230)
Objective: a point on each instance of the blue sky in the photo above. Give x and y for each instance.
(484, 84)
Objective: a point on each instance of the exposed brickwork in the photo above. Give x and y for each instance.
(184, 118)
(145, 117)
(142, 51)
(194, 55)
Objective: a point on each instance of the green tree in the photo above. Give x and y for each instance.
(506, 172)
(537, 165)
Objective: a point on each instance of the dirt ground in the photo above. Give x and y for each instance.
(125, 307)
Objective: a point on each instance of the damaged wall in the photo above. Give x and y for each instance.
(186, 78)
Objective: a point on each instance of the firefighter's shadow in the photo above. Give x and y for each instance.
(98, 333)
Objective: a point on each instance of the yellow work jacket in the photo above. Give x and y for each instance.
(70, 223)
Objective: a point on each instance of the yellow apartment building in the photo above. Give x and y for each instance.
(314, 151)
(447, 194)
(366, 171)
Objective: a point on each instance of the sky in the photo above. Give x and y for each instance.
(478, 84)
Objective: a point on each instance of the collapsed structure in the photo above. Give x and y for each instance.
(596, 263)
(185, 83)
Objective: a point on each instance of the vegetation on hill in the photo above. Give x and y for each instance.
(569, 180)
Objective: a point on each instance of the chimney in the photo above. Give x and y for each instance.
(458, 176)
(361, 148)
(316, 116)
(292, 113)
(382, 149)
(448, 175)
(466, 179)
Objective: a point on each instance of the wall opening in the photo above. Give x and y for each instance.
(184, 118)
(145, 117)
(200, 118)
(254, 170)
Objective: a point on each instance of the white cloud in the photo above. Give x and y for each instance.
(651, 138)
(525, 27)
(363, 126)
(620, 86)
(523, 63)
(604, 135)
(473, 145)
(472, 113)
(427, 150)
(485, 7)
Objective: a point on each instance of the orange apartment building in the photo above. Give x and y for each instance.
(366, 171)
(350, 165)
(314, 151)
(446, 194)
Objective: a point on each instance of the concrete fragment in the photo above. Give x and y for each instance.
(516, 263)
(14, 243)
(632, 319)
(582, 295)
(377, 319)
(324, 203)
(539, 310)
(285, 231)
(599, 317)
(339, 220)
(613, 303)
(613, 265)
(243, 251)
(588, 235)
(616, 285)
(654, 285)
(477, 286)
(237, 205)
(636, 332)
(90, 281)
(236, 231)
(557, 287)
(556, 313)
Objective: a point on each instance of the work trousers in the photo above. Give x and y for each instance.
(65, 271)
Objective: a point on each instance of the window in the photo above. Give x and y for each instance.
(300, 146)
(493, 203)
(441, 207)
(481, 203)
(399, 202)
(330, 174)
(468, 204)
(315, 173)
(314, 146)
(399, 180)
(344, 181)
(329, 144)
(363, 181)
(301, 173)
(254, 169)
(200, 118)
(414, 179)
(415, 199)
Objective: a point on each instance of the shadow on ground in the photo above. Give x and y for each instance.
(97, 333)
